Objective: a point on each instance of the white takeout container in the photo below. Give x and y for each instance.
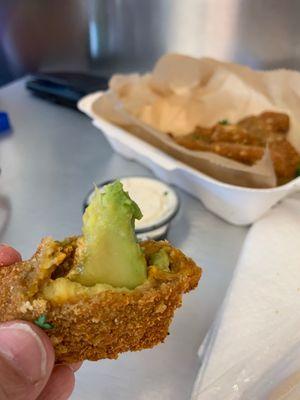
(235, 204)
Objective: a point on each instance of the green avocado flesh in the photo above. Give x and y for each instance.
(111, 253)
(161, 260)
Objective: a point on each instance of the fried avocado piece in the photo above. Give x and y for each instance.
(92, 323)
(103, 293)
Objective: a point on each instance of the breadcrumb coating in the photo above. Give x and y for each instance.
(101, 325)
(246, 142)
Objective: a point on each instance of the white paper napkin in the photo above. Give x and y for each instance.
(255, 342)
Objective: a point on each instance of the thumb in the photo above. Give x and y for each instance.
(26, 360)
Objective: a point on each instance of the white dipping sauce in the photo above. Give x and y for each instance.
(156, 200)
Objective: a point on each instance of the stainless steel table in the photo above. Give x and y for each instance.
(49, 162)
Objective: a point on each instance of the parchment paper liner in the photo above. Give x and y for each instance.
(183, 92)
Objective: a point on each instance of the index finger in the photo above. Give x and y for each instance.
(8, 255)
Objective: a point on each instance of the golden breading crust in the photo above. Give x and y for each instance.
(105, 324)
(246, 141)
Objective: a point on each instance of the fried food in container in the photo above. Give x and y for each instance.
(183, 95)
(246, 142)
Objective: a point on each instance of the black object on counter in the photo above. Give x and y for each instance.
(65, 88)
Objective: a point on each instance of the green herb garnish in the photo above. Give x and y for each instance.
(166, 193)
(42, 322)
(297, 171)
(196, 136)
(223, 122)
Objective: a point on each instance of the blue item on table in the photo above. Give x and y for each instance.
(4, 122)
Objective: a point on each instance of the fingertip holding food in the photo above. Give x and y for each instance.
(8, 255)
(26, 359)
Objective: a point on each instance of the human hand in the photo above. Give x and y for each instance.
(27, 370)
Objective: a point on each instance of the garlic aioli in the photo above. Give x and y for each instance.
(157, 200)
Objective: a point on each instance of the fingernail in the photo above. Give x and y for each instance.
(24, 350)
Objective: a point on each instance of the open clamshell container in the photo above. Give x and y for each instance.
(235, 204)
